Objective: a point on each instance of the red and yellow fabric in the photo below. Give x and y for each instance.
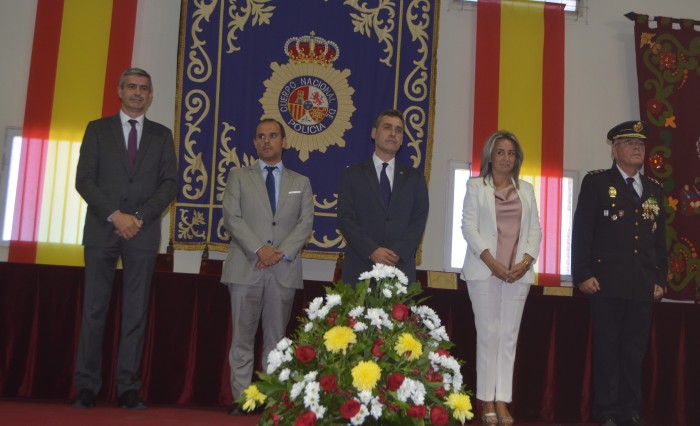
(519, 87)
(80, 48)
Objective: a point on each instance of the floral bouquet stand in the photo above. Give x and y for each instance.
(368, 355)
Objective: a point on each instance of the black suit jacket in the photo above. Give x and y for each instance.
(105, 182)
(619, 243)
(366, 224)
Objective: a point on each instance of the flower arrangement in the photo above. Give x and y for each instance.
(368, 355)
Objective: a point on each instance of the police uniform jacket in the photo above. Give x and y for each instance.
(617, 240)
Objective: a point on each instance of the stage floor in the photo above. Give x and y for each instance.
(39, 412)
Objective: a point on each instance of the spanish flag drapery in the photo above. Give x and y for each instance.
(519, 86)
(80, 48)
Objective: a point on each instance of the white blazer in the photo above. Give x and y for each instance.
(480, 232)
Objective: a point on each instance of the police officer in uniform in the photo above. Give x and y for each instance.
(619, 260)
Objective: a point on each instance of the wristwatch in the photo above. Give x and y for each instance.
(138, 216)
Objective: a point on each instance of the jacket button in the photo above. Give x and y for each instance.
(274, 223)
(269, 242)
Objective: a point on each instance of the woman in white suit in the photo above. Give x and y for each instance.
(501, 225)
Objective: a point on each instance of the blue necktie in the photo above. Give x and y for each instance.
(270, 184)
(385, 185)
(635, 195)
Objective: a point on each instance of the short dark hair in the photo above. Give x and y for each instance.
(389, 113)
(272, 120)
(135, 71)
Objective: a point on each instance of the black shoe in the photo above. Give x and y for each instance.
(85, 399)
(237, 410)
(635, 421)
(131, 400)
(607, 421)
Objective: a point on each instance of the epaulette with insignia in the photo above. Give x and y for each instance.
(652, 180)
(597, 172)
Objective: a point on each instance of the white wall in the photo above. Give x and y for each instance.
(600, 89)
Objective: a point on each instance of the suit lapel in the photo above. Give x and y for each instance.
(286, 180)
(371, 176)
(115, 126)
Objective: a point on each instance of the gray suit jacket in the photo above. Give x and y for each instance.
(105, 182)
(248, 219)
(367, 225)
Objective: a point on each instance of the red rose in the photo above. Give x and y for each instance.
(308, 418)
(275, 418)
(438, 415)
(350, 409)
(440, 392)
(377, 348)
(444, 352)
(417, 411)
(400, 312)
(351, 322)
(329, 383)
(432, 376)
(332, 318)
(393, 382)
(305, 353)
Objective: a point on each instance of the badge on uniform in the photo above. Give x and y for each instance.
(612, 192)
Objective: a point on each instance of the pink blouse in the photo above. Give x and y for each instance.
(508, 215)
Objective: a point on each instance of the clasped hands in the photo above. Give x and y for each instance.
(126, 225)
(509, 275)
(268, 256)
(385, 256)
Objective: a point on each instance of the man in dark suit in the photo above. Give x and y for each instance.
(127, 175)
(619, 260)
(382, 205)
(269, 213)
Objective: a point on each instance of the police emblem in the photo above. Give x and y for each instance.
(612, 192)
(311, 98)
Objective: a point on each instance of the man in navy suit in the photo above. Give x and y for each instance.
(127, 175)
(382, 205)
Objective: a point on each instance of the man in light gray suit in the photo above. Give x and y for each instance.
(268, 211)
(127, 175)
(382, 205)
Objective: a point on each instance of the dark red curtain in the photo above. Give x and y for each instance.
(186, 351)
(668, 76)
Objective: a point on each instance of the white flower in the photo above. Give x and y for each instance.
(359, 418)
(359, 326)
(378, 318)
(386, 291)
(284, 344)
(333, 300)
(319, 410)
(274, 360)
(312, 310)
(413, 390)
(311, 376)
(356, 311)
(296, 390)
(365, 396)
(284, 375)
(440, 334)
(308, 327)
(311, 396)
(376, 409)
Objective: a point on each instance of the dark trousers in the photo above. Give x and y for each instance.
(100, 266)
(620, 340)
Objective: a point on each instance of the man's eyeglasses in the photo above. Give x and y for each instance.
(632, 143)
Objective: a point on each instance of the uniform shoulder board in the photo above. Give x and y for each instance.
(654, 181)
(597, 172)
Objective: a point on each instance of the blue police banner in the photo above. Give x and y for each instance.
(323, 68)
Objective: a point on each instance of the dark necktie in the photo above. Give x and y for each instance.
(131, 146)
(635, 195)
(270, 184)
(385, 185)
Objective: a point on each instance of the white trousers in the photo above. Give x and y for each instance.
(498, 309)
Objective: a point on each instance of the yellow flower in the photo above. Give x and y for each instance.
(462, 406)
(408, 343)
(338, 338)
(365, 375)
(252, 397)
